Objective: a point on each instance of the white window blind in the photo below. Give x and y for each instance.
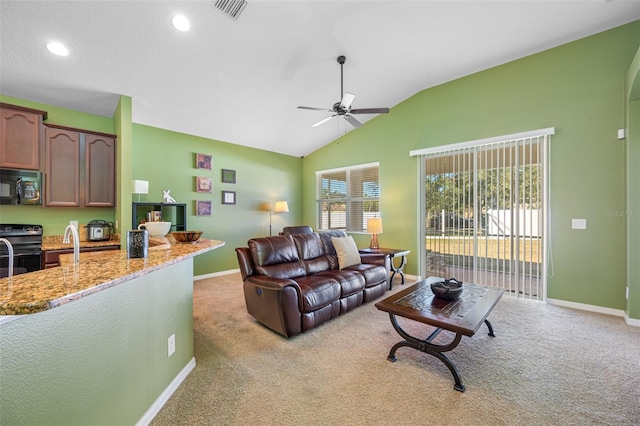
(347, 197)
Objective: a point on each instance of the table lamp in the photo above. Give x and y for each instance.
(140, 187)
(374, 227)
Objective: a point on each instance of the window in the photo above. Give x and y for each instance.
(347, 197)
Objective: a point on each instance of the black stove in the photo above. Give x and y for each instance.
(26, 241)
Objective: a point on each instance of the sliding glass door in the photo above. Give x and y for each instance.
(484, 207)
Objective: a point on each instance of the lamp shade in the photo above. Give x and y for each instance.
(140, 186)
(374, 225)
(281, 207)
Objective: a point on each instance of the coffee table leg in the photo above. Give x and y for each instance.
(427, 347)
(486, 321)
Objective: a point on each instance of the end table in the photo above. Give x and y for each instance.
(401, 253)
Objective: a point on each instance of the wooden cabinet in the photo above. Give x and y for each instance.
(51, 258)
(100, 171)
(80, 168)
(174, 213)
(20, 137)
(62, 168)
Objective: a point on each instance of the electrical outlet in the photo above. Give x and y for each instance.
(117, 226)
(171, 345)
(74, 223)
(627, 293)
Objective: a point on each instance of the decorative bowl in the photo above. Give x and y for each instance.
(449, 289)
(156, 229)
(186, 236)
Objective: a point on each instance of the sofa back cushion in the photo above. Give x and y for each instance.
(302, 229)
(311, 252)
(329, 249)
(276, 257)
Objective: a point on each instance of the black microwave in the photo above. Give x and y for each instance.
(20, 187)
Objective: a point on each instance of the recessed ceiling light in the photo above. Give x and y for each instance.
(57, 48)
(181, 23)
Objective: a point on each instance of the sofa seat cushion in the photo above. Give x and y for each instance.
(373, 274)
(318, 291)
(351, 282)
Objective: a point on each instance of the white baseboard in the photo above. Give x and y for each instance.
(215, 274)
(166, 394)
(631, 321)
(597, 309)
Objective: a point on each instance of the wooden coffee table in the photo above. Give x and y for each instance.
(463, 317)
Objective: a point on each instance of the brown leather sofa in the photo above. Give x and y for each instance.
(293, 283)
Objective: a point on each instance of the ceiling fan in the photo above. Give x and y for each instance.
(343, 108)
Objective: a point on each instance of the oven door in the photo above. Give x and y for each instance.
(22, 263)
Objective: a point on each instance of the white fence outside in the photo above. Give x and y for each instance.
(499, 223)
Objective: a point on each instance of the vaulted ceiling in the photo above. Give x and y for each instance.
(241, 80)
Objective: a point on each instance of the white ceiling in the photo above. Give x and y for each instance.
(241, 81)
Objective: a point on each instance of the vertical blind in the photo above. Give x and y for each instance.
(347, 197)
(485, 217)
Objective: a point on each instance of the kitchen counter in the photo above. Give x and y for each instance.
(107, 340)
(49, 288)
(54, 242)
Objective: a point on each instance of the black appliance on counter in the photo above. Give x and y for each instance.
(26, 241)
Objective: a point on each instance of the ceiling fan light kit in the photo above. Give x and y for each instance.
(343, 108)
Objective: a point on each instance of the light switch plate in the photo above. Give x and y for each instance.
(578, 223)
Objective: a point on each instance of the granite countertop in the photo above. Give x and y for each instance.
(54, 242)
(48, 288)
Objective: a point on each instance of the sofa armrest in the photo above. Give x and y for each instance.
(244, 262)
(378, 259)
(274, 302)
(269, 283)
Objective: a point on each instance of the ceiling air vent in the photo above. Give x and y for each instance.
(231, 8)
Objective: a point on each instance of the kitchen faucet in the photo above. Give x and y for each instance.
(76, 242)
(10, 249)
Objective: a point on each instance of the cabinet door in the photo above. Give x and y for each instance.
(19, 139)
(100, 171)
(62, 168)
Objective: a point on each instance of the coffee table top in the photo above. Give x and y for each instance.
(464, 315)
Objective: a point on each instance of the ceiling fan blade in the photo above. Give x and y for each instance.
(346, 101)
(352, 120)
(315, 109)
(370, 111)
(324, 120)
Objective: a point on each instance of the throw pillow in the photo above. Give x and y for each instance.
(346, 250)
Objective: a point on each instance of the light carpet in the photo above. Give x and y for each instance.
(547, 365)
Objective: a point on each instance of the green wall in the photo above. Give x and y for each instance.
(99, 360)
(578, 89)
(167, 160)
(632, 213)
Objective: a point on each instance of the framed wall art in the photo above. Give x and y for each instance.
(203, 161)
(228, 197)
(203, 208)
(204, 184)
(228, 176)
